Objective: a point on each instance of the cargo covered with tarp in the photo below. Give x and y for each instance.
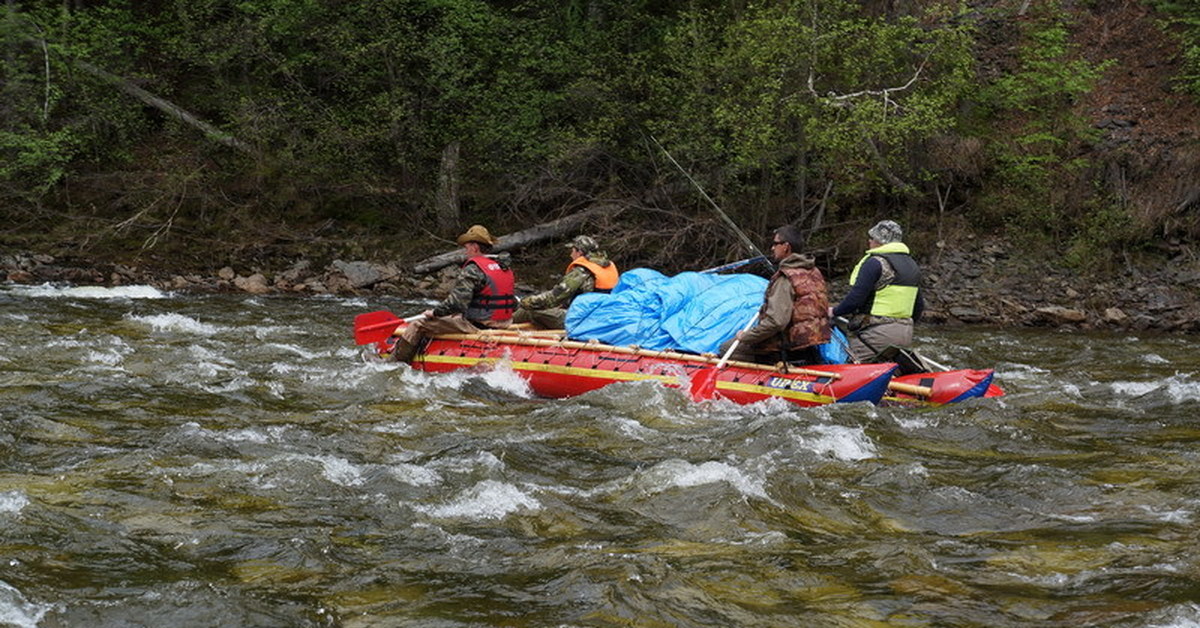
(693, 312)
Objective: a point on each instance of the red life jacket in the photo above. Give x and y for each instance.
(495, 301)
(810, 308)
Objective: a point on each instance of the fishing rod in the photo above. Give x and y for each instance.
(733, 265)
(744, 238)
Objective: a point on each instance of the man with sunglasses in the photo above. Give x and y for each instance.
(794, 317)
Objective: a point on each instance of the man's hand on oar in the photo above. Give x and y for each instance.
(375, 326)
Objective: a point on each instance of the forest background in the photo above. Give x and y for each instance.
(191, 135)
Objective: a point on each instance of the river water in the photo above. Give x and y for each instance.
(220, 460)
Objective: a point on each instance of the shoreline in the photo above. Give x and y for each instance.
(989, 285)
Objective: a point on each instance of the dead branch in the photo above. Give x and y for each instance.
(512, 241)
(165, 106)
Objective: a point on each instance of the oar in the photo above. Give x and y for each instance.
(704, 383)
(732, 265)
(375, 326)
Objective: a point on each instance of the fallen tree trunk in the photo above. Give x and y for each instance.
(512, 241)
(165, 106)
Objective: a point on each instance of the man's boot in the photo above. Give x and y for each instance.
(403, 351)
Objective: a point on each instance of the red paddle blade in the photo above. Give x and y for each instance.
(704, 384)
(374, 326)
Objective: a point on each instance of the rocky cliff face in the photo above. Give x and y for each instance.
(1148, 151)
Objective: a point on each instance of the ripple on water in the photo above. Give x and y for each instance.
(175, 323)
(15, 610)
(87, 292)
(12, 502)
(489, 499)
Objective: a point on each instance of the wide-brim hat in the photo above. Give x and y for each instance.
(477, 233)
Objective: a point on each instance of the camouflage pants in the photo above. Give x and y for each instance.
(549, 318)
(438, 325)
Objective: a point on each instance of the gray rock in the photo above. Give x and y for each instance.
(966, 314)
(359, 274)
(297, 271)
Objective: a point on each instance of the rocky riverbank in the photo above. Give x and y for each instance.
(988, 283)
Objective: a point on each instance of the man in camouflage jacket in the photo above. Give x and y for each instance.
(590, 271)
(481, 298)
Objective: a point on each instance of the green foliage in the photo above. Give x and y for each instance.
(810, 90)
(1183, 17)
(1104, 228)
(349, 105)
(1038, 130)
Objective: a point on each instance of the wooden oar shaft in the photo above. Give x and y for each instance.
(910, 389)
(491, 335)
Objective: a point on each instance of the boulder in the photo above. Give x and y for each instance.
(254, 284)
(359, 274)
(1060, 315)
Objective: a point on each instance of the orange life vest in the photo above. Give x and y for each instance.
(495, 301)
(606, 276)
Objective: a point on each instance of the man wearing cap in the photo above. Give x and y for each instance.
(885, 294)
(590, 270)
(482, 297)
(794, 317)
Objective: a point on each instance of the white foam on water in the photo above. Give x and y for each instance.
(281, 368)
(488, 499)
(12, 502)
(484, 461)
(414, 474)
(262, 332)
(307, 355)
(1154, 358)
(413, 383)
(338, 470)
(17, 611)
(253, 435)
(1179, 387)
(500, 376)
(1178, 616)
(107, 357)
(1169, 516)
(630, 428)
(843, 443)
(89, 292)
(176, 323)
(680, 473)
(240, 382)
(916, 421)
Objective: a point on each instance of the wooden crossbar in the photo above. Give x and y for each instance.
(520, 338)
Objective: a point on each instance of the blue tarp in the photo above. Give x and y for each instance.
(690, 312)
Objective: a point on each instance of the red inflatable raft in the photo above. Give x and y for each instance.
(556, 367)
